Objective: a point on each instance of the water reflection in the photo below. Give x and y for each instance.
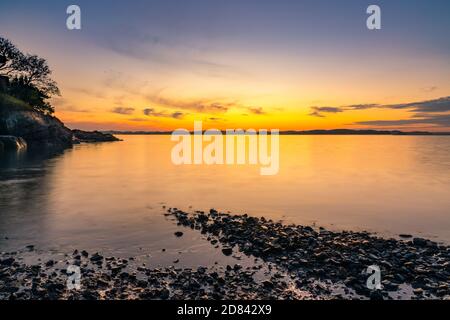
(111, 195)
(25, 181)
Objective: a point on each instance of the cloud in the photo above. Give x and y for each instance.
(151, 112)
(317, 111)
(123, 110)
(316, 114)
(427, 112)
(198, 105)
(360, 106)
(177, 115)
(256, 110)
(437, 105)
(174, 52)
(430, 89)
(216, 119)
(442, 120)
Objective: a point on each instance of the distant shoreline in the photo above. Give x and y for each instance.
(306, 132)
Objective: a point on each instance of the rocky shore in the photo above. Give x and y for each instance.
(20, 124)
(336, 257)
(290, 262)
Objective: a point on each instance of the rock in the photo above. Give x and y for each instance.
(12, 143)
(405, 236)
(96, 257)
(7, 262)
(376, 295)
(36, 128)
(420, 242)
(418, 291)
(227, 251)
(92, 136)
(268, 284)
(179, 234)
(49, 263)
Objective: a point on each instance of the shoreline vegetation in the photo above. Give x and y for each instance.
(293, 262)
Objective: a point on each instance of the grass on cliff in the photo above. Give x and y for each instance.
(8, 103)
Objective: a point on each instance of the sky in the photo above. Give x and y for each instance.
(288, 65)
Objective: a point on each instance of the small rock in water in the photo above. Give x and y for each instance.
(419, 242)
(7, 262)
(96, 257)
(227, 251)
(49, 263)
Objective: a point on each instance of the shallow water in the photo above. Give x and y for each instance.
(108, 197)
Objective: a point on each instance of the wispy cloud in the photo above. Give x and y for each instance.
(132, 42)
(430, 88)
(318, 111)
(427, 112)
(436, 105)
(151, 112)
(256, 110)
(123, 110)
(197, 105)
(441, 120)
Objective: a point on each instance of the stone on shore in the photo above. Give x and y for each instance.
(12, 143)
(36, 128)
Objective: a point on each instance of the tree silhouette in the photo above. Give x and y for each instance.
(28, 77)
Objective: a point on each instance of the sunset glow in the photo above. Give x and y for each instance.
(239, 64)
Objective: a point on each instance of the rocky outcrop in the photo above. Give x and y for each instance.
(12, 143)
(35, 128)
(94, 136)
(19, 121)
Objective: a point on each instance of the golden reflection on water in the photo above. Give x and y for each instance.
(112, 193)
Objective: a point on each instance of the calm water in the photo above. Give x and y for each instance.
(109, 197)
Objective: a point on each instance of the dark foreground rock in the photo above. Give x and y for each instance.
(12, 143)
(35, 128)
(94, 136)
(38, 130)
(115, 278)
(335, 257)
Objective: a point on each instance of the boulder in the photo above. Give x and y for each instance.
(12, 143)
(35, 128)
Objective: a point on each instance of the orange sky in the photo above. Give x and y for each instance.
(262, 66)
